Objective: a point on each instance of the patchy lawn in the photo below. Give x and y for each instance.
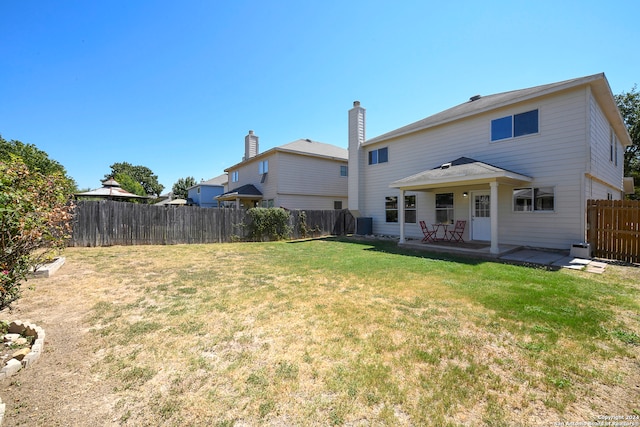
(323, 332)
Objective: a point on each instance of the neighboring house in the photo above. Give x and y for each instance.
(518, 166)
(204, 193)
(303, 174)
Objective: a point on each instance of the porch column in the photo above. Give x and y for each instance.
(493, 212)
(237, 203)
(401, 214)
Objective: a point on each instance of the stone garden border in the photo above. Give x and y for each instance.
(23, 360)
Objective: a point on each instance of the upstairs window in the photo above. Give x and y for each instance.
(234, 176)
(514, 126)
(344, 170)
(613, 148)
(381, 155)
(263, 167)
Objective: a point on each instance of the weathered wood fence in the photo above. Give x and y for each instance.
(109, 223)
(613, 229)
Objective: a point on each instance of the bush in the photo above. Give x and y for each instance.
(35, 222)
(268, 224)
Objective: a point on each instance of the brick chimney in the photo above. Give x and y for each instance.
(356, 139)
(250, 146)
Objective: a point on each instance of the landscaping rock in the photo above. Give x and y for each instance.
(21, 353)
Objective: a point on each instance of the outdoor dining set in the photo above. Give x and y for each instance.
(436, 235)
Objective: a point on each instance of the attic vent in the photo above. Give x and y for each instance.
(445, 165)
(308, 140)
(474, 98)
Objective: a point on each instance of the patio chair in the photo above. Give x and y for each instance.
(456, 233)
(429, 235)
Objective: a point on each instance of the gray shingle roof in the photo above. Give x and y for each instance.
(462, 169)
(492, 102)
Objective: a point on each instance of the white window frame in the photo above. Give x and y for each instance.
(408, 207)
(263, 167)
(373, 156)
(344, 170)
(513, 125)
(531, 207)
(235, 176)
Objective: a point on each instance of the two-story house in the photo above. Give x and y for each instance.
(302, 174)
(518, 166)
(204, 193)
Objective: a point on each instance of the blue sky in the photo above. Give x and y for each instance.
(176, 85)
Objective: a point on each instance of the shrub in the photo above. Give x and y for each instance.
(268, 224)
(35, 222)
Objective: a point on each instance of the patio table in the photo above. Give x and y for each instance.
(437, 227)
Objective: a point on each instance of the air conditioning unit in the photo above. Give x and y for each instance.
(580, 250)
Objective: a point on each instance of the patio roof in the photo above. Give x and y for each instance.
(459, 172)
(110, 190)
(248, 191)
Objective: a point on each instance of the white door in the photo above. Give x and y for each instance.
(480, 216)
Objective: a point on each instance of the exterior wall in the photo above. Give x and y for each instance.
(290, 201)
(556, 156)
(294, 181)
(607, 173)
(204, 198)
(300, 178)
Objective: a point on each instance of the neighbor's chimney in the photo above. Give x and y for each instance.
(356, 139)
(250, 146)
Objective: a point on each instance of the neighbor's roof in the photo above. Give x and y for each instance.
(110, 189)
(219, 180)
(482, 104)
(305, 147)
(246, 191)
(464, 171)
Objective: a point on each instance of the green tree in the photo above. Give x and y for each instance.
(629, 106)
(142, 174)
(130, 184)
(34, 158)
(35, 221)
(181, 187)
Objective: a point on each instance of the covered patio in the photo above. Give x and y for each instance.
(465, 174)
(246, 195)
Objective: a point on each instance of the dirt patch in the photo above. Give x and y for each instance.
(59, 389)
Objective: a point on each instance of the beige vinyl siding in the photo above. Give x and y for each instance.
(308, 175)
(603, 169)
(292, 201)
(556, 156)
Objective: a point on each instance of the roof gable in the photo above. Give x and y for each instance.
(303, 147)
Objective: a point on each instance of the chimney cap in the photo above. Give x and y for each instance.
(250, 132)
(356, 103)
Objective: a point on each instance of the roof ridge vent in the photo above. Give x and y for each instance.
(475, 98)
(445, 165)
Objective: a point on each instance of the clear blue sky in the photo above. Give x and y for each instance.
(176, 85)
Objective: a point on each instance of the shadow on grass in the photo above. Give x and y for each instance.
(391, 247)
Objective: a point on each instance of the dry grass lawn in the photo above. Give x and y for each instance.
(323, 332)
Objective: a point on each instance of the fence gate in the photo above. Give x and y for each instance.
(613, 229)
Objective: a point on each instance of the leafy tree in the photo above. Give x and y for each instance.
(130, 184)
(142, 174)
(34, 158)
(35, 221)
(181, 187)
(629, 106)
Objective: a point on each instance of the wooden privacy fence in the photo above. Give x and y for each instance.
(613, 229)
(109, 223)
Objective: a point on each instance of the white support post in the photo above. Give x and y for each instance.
(494, 218)
(401, 215)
